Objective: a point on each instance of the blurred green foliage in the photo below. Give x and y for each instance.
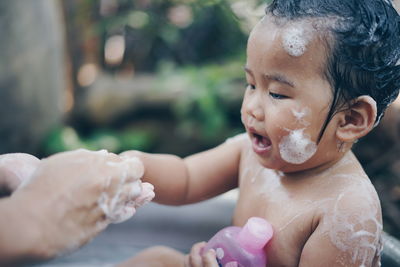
(210, 108)
(207, 111)
(197, 46)
(66, 138)
(181, 31)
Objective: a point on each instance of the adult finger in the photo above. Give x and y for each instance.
(129, 193)
(16, 169)
(135, 167)
(146, 195)
(130, 169)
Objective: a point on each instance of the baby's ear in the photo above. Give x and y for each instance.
(358, 120)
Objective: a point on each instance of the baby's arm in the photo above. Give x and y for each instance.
(180, 181)
(348, 235)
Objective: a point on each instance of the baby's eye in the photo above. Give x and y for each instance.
(277, 96)
(250, 86)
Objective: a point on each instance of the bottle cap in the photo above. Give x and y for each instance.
(255, 234)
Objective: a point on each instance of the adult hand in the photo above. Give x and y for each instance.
(72, 196)
(196, 257)
(15, 169)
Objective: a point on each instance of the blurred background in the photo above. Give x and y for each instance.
(161, 76)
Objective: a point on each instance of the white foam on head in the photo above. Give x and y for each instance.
(297, 147)
(295, 39)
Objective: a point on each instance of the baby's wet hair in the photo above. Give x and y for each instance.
(363, 44)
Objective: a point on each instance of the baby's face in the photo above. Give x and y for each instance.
(287, 98)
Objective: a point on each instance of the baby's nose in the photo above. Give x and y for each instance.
(254, 108)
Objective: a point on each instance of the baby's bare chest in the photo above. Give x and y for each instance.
(291, 222)
(291, 215)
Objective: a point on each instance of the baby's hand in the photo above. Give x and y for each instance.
(16, 170)
(197, 259)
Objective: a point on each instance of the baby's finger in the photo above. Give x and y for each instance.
(195, 258)
(209, 259)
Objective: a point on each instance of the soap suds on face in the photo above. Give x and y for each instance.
(297, 147)
(295, 39)
(301, 114)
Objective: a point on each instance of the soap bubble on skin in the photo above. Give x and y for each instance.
(297, 147)
(301, 114)
(117, 209)
(295, 39)
(136, 172)
(257, 174)
(344, 230)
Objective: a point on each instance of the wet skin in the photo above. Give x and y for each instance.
(302, 201)
(324, 210)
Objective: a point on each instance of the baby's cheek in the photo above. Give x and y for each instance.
(302, 116)
(242, 115)
(295, 144)
(243, 109)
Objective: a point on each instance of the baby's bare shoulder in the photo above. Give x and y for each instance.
(353, 196)
(350, 225)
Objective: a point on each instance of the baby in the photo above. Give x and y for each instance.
(320, 74)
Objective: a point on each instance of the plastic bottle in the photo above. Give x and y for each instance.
(243, 247)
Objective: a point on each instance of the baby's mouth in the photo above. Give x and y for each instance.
(261, 143)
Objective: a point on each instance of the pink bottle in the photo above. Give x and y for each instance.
(236, 246)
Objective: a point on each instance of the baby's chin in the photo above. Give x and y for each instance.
(271, 163)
